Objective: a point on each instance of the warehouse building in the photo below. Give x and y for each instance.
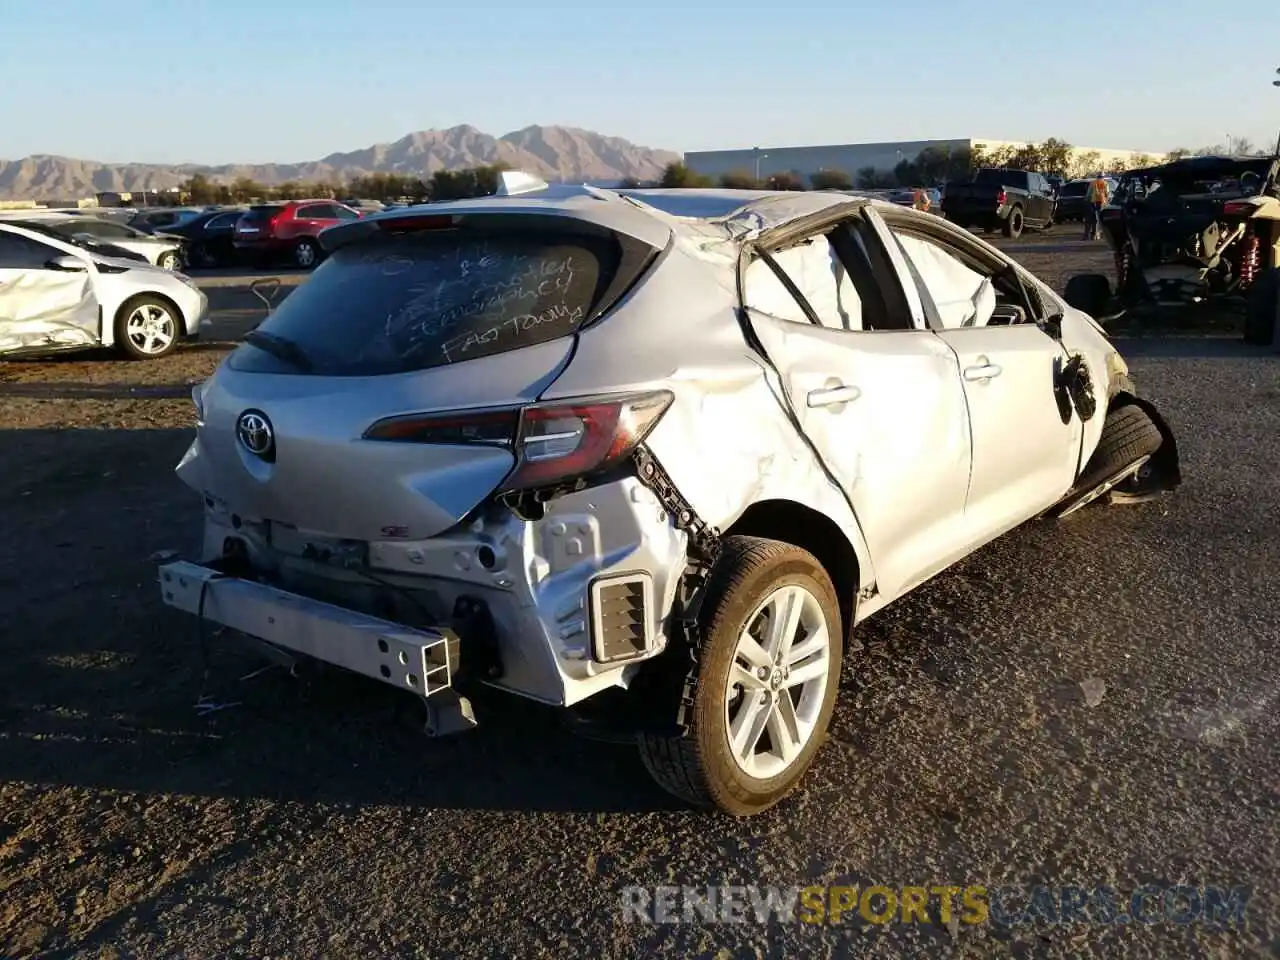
(852, 157)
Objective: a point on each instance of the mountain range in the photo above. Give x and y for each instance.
(552, 152)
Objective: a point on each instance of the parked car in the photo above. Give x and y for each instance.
(209, 238)
(109, 214)
(365, 207)
(1200, 230)
(994, 198)
(161, 250)
(162, 218)
(271, 231)
(100, 247)
(59, 293)
(601, 456)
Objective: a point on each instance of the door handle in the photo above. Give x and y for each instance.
(833, 395)
(982, 372)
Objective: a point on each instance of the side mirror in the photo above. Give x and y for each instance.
(67, 264)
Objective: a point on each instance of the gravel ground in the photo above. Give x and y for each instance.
(302, 821)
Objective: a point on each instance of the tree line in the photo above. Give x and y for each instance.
(933, 165)
(385, 187)
(936, 165)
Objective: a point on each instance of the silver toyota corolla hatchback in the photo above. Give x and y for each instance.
(649, 456)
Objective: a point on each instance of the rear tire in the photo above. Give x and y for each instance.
(1013, 224)
(753, 587)
(306, 253)
(1128, 436)
(1090, 292)
(1262, 318)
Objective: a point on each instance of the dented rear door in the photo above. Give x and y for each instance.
(884, 410)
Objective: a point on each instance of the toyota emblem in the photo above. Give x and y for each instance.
(254, 430)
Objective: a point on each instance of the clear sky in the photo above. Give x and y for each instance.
(291, 80)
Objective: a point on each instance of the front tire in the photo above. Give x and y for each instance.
(169, 261)
(770, 669)
(147, 328)
(204, 257)
(1129, 438)
(1088, 292)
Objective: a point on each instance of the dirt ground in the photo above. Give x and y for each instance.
(300, 820)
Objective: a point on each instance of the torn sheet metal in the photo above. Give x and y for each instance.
(51, 308)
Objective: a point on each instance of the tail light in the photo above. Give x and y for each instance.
(552, 442)
(1237, 208)
(1002, 198)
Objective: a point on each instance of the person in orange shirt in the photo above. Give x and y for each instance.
(1099, 195)
(920, 199)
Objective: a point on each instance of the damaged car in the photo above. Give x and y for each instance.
(1194, 231)
(62, 293)
(649, 456)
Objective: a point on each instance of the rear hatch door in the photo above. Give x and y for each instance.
(255, 223)
(402, 324)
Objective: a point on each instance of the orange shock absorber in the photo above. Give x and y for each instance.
(1249, 261)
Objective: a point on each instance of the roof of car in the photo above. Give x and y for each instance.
(649, 215)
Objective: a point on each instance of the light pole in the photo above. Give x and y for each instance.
(759, 156)
(1276, 83)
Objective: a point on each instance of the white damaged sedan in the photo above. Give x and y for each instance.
(58, 293)
(651, 456)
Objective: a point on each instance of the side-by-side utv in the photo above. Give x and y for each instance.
(1196, 230)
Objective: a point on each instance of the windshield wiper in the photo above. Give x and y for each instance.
(282, 348)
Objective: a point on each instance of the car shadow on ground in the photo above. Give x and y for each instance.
(99, 682)
(102, 682)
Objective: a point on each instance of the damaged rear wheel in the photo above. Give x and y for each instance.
(770, 668)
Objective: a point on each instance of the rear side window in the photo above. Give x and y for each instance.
(1001, 178)
(1073, 190)
(414, 301)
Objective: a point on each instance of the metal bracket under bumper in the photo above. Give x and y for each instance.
(418, 661)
